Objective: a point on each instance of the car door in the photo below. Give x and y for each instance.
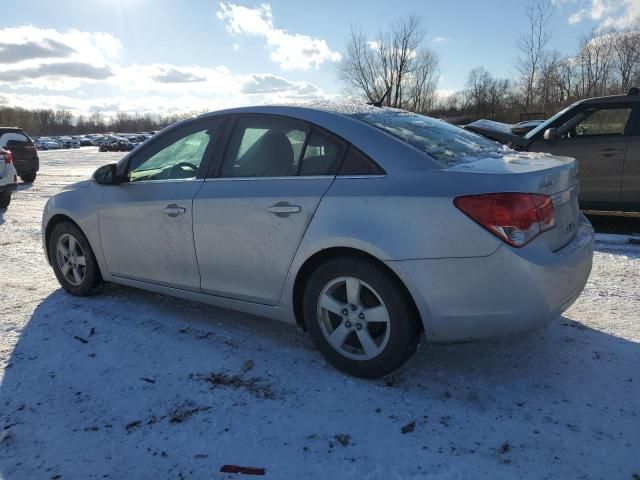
(631, 173)
(146, 222)
(596, 136)
(250, 217)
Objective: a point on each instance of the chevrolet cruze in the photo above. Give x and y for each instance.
(370, 228)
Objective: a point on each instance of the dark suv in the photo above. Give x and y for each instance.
(25, 156)
(603, 135)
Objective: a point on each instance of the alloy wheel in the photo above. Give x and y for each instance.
(353, 318)
(71, 259)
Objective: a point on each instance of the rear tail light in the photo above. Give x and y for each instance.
(516, 218)
(8, 156)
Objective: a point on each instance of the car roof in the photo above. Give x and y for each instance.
(609, 99)
(339, 118)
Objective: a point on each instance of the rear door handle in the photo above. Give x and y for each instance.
(174, 210)
(284, 209)
(609, 152)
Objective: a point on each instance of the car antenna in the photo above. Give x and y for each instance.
(381, 99)
(634, 91)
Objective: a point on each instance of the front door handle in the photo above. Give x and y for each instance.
(610, 152)
(284, 209)
(174, 210)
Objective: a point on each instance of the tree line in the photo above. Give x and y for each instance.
(44, 122)
(604, 62)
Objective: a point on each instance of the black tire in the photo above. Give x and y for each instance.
(28, 177)
(5, 200)
(403, 322)
(90, 272)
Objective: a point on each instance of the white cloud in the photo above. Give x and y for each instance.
(45, 68)
(441, 39)
(47, 58)
(608, 13)
(289, 50)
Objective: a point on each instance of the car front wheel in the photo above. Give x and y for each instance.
(73, 261)
(360, 317)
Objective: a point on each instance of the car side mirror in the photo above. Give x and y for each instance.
(551, 134)
(107, 174)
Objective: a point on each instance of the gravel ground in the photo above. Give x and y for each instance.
(129, 384)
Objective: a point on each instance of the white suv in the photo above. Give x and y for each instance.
(8, 178)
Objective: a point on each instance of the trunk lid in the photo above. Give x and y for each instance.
(540, 173)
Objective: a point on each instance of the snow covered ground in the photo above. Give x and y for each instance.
(134, 385)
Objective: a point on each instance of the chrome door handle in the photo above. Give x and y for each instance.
(174, 210)
(284, 209)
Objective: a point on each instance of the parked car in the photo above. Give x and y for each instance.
(116, 145)
(8, 178)
(82, 140)
(45, 143)
(69, 142)
(603, 135)
(25, 155)
(522, 128)
(368, 227)
(501, 132)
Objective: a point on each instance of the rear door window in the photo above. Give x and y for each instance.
(322, 155)
(265, 146)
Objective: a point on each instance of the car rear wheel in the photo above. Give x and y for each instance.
(73, 261)
(28, 177)
(5, 200)
(360, 318)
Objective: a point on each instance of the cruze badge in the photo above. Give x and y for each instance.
(547, 182)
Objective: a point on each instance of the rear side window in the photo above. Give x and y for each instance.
(357, 163)
(322, 155)
(264, 147)
(448, 144)
(9, 138)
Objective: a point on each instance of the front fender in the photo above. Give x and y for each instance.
(79, 203)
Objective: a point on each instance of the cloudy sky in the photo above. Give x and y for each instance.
(171, 56)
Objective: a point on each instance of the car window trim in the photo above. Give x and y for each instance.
(596, 107)
(634, 121)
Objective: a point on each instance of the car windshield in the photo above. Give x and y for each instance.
(543, 125)
(446, 143)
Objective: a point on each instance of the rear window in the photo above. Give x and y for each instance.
(446, 143)
(13, 136)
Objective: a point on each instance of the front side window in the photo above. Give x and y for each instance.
(264, 147)
(178, 157)
(446, 143)
(597, 122)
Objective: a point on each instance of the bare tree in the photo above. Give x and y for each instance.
(532, 45)
(596, 61)
(626, 55)
(397, 61)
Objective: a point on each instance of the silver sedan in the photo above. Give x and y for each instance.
(370, 228)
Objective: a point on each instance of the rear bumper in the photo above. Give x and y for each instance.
(27, 165)
(511, 291)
